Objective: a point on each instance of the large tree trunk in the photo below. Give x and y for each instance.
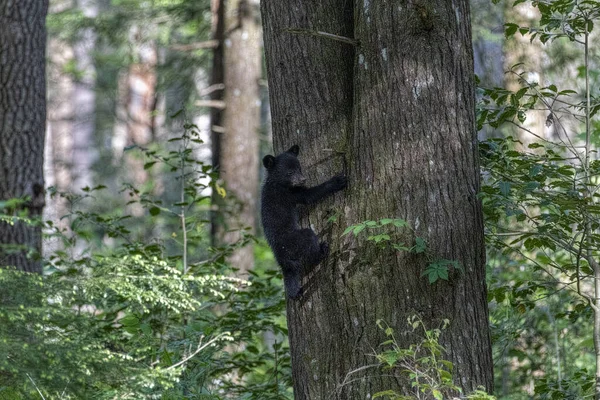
(236, 144)
(22, 123)
(396, 112)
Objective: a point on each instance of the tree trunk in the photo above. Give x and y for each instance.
(136, 106)
(58, 142)
(236, 145)
(84, 96)
(520, 49)
(395, 111)
(22, 124)
(216, 113)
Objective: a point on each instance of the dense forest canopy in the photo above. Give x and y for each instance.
(461, 260)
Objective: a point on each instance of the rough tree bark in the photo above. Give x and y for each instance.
(393, 107)
(22, 124)
(236, 144)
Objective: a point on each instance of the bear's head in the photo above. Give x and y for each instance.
(285, 168)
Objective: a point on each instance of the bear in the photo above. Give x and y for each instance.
(295, 249)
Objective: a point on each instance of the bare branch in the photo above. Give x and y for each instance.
(208, 44)
(325, 35)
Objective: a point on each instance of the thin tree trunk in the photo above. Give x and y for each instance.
(237, 145)
(84, 96)
(216, 113)
(136, 106)
(22, 124)
(59, 138)
(520, 49)
(395, 111)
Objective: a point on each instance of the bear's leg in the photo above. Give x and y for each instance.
(291, 280)
(313, 251)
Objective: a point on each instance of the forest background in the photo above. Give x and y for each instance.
(155, 279)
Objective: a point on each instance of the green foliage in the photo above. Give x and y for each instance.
(541, 213)
(422, 364)
(480, 394)
(498, 106)
(536, 210)
(439, 269)
(385, 237)
(120, 314)
(559, 19)
(579, 386)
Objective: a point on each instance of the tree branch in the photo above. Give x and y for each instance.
(325, 35)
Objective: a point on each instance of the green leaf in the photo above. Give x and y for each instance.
(420, 245)
(400, 247)
(433, 276)
(531, 186)
(348, 230)
(358, 229)
(566, 92)
(400, 223)
(129, 320)
(154, 211)
(510, 29)
(149, 164)
(504, 188)
(146, 329)
(379, 238)
(521, 92)
(443, 273)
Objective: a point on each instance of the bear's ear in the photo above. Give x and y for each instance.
(268, 161)
(295, 149)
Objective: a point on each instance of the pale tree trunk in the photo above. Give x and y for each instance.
(84, 149)
(70, 147)
(520, 49)
(237, 143)
(22, 124)
(59, 139)
(395, 112)
(61, 113)
(136, 107)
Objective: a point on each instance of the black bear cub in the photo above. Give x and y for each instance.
(295, 249)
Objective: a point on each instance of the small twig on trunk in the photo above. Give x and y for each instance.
(325, 35)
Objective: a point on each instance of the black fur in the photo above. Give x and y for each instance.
(295, 249)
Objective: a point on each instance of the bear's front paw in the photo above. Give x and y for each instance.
(339, 182)
(297, 294)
